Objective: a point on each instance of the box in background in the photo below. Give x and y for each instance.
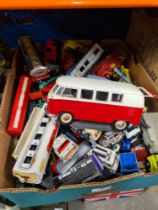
(143, 39)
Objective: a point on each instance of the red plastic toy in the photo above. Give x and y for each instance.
(19, 108)
(50, 52)
(141, 152)
(37, 79)
(105, 67)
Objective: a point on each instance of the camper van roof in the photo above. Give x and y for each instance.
(95, 84)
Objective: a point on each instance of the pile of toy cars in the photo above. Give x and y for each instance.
(78, 117)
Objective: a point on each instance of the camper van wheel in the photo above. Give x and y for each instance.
(65, 118)
(120, 125)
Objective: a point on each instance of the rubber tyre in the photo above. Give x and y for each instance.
(65, 118)
(120, 125)
(87, 136)
(117, 147)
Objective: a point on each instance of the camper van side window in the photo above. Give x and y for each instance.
(87, 94)
(70, 93)
(117, 97)
(102, 96)
(60, 90)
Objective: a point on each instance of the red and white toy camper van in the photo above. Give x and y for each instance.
(101, 101)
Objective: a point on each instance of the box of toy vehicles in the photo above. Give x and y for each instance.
(82, 123)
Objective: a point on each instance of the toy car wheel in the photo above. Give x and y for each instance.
(120, 125)
(87, 136)
(65, 118)
(116, 147)
(79, 131)
(147, 165)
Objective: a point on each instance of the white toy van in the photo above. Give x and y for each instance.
(102, 101)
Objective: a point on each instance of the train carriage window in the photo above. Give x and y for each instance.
(28, 159)
(87, 94)
(33, 147)
(70, 93)
(82, 68)
(117, 97)
(102, 96)
(96, 51)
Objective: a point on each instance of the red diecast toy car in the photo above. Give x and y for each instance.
(106, 66)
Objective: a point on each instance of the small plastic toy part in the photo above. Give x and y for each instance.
(87, 61)
(132, 132)
(19, 108)
(90, 135)
(50, 52)
(121, 75)
(37, 79)
(111, 140)
(35, 95)
(69, 58)
(47, 182)
(33, 59)
(152, 163)
(128, 163)
(141, 152)
(126, 145)
(125, 71)
(60, 167)
(74, 46)
(46, 89)
(64, 147)
(86, 170)
(48, 82)
(108, 157)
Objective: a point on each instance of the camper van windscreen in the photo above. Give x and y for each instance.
(55, 88)
(60, 90)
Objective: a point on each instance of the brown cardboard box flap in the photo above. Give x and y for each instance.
(8, 94)
(6, 179)
(142, 78)
(142, 38)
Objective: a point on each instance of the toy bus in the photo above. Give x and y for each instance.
(34, 155)
(101, 101)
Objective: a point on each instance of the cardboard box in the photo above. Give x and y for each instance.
(143, 40)
(6, 179)
(26, 197)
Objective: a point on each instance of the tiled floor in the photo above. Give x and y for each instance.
(145, 201)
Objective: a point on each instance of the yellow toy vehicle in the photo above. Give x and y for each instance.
(74, 46)
(152, 163)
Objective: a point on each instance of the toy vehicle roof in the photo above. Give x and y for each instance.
(96, 84)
